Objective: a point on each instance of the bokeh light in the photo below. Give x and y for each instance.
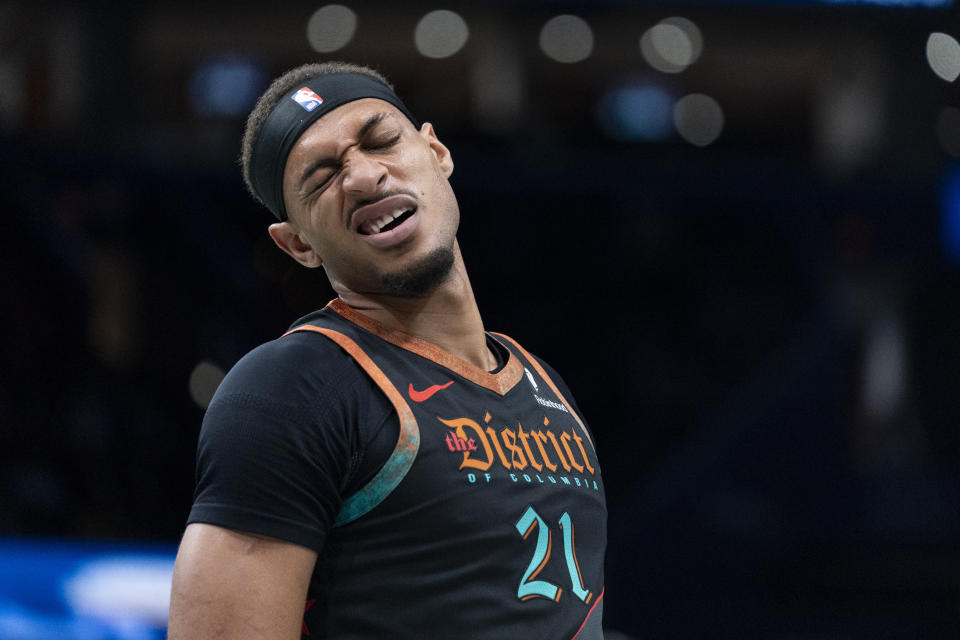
(698, 118)
(204, 380)
(692, 32)
(225, 86)
(122, 588)
(671, 45)
(793, 231)
(440, 34)
(567, 39)
(331, 28)
(637, 111)
(943, 54)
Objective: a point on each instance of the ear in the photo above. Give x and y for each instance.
(440, 150)
(288, 239)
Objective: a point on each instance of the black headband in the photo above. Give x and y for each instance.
(294, 114)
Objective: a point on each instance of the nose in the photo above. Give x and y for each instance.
(363, 174)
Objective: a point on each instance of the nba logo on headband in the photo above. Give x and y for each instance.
(307, 99)
(286, 123)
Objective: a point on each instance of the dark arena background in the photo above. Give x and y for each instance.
(734, 228)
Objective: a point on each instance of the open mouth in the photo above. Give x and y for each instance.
(385, 222)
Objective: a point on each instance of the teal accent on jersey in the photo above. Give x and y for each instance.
(408, 443)
(437, 554)
(381, 485)
(529, 588)
(576, 581)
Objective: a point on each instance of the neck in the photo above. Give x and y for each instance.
(447, 317)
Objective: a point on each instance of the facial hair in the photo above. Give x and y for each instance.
(420, 278)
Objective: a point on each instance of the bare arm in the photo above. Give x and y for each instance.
(228, 584)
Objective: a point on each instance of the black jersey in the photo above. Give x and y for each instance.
(487, 520)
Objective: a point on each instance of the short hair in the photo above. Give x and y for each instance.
(272, 96)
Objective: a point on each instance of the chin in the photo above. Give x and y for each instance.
(421, 277)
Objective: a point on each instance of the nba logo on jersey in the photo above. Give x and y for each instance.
(307, 99)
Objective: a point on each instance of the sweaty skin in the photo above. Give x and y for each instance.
(361, 166)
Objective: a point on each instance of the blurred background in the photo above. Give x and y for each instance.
(734, 228)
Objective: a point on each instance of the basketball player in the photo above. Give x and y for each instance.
(387, 468)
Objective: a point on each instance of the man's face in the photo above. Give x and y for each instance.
(368, 194)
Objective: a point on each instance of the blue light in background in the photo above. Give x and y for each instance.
(83, 591)
(950, 216)
(226, 86)
(636, 111)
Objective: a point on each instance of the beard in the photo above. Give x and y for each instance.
(421, 277)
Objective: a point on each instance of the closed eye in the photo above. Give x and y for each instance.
(375, 146)
(321, 183)
(385, 144)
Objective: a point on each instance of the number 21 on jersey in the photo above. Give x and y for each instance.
(529, 586)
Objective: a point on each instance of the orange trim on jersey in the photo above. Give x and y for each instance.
(542, 564)
(543, 374)
(589, 613)
(408, 443)
(500, 382)
(546, 557)
(533, 523)
(573, 552)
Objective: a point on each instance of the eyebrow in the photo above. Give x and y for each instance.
(327, 162)
(371, 122)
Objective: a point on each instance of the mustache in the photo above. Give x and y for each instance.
(380, 196)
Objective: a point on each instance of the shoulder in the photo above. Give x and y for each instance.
(291, 368)
(290, 409)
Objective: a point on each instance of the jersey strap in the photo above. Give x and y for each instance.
(543, 374)
(408, 444)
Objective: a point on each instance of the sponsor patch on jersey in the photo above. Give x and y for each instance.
(536, 395)
(307, 99)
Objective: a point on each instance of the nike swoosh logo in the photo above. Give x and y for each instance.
(420, 396)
